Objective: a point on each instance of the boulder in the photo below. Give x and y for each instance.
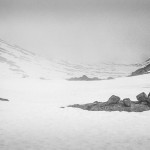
(127, 102)
(113, 100)
(142, 97)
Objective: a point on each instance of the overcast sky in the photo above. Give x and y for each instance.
(79, 30)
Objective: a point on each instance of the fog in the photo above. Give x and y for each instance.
(80, 31)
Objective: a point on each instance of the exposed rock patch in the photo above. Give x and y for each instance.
(144, 70)
(114, 103)
(83, 78)
(3, 99)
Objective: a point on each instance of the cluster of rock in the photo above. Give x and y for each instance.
(114, 103)
(84, 78)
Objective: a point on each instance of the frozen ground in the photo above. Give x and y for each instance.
(33, 119)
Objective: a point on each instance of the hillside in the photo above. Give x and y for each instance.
(17, 62)
(144, 69)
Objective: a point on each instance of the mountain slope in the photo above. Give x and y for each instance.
(144, 69)
(17, 62)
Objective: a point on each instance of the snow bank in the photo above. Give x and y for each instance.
(32, 120)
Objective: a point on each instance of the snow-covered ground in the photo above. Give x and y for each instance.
(33, 119)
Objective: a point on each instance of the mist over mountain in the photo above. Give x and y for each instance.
(144, 69)
(18, 62)
(84, 31)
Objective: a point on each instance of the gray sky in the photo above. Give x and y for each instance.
(79, 30)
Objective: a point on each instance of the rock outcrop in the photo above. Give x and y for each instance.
(144, 70)
(83, 78)
(3, 99)
(114, 103)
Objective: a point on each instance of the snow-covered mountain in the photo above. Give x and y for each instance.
(143, 69)
(18, 62)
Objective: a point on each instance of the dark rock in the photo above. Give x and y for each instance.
(110, 78)
(95, 102)
(127, 102)
(142, 97)
(104, 106)
(139, 108)
(144, 103)
(140, 71)
(148, 100)
(149, 95)
(62, 107)
(121, 102)
(2, 99)
(115, 104)
(83, 78)
(135, 102)
(113, 99)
